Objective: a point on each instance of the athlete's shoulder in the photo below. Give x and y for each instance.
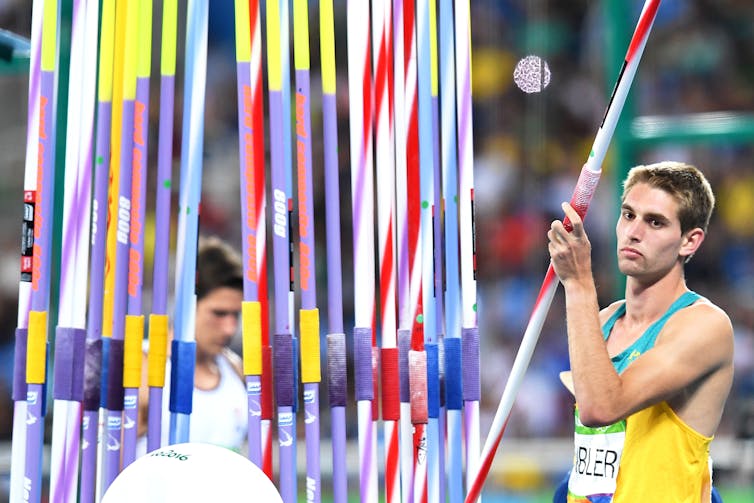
(608, 311)
(234, 360)
(703, 326)
(706, 316)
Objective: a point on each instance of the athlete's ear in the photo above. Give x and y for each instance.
(692, 240)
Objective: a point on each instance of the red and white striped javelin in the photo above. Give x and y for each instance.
(402, 273)
(417, 360)
(382, 64)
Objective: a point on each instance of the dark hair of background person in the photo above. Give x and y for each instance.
(217, 265)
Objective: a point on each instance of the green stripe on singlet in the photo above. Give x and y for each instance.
(618, 427)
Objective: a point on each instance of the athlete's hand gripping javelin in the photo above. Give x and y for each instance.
(571, 252)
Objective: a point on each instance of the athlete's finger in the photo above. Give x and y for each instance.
(576, 223)
(557, 232)
(552, 236)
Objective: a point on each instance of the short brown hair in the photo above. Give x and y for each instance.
(218, 265)
(685, 183)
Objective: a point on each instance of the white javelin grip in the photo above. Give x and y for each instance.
(585, 188)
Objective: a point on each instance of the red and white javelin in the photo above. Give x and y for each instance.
(582, 195)
(382, 63)
(417, 357)
(401, 237)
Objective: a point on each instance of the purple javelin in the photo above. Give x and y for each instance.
(40, 285)
(158, 345)
(336, 338)
(309, 328)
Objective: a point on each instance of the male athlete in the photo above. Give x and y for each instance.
(650, 373)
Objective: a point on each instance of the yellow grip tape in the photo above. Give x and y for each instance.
(251, 311)
(36, 347)
(132, 354)
(310, 371)
(158, 350)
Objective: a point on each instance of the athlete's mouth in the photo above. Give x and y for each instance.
(626, 250)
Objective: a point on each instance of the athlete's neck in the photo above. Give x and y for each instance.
(648, 301)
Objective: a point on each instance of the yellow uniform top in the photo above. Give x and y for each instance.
(663, 459)
(658, 457)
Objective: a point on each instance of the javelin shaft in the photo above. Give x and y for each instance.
(402, 272)
(18, 446)
(427, 135)
(94, 342)
(265, 385)
(280, 238)
(436, 398)
(453, 366)
(158, 320)
(108, 303)
(164, 156)
(140, 137)
(304, 160)
(70, 333)
(125, 203)
(436, 174)
(284, 353)
(134, 323)
(252, 192)
(417, 357)
(111, 390)
(259, 388)
(309, 314)
(332, 184)
(469, 332)
(360, 108)
(336, 339)
(40, 285)
(384, 158)
(583, 192)
(183, 354)
(382, 61)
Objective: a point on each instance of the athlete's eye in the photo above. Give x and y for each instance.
(224, 314)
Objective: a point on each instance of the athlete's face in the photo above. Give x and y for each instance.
(649, 235)
(217, 318)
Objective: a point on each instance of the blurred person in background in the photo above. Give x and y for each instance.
(650, 373)
(219, 401)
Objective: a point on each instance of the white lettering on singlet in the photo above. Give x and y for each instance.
(596, 459)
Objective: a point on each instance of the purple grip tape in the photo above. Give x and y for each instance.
(115, 376)
(92, 374)
(19, 365)
(69, 369)
(284, 377)
(404, 345)
(472, 390)
(362, 355)
(336, 369)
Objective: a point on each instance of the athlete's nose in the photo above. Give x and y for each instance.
(229, 324)
(633, 230)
